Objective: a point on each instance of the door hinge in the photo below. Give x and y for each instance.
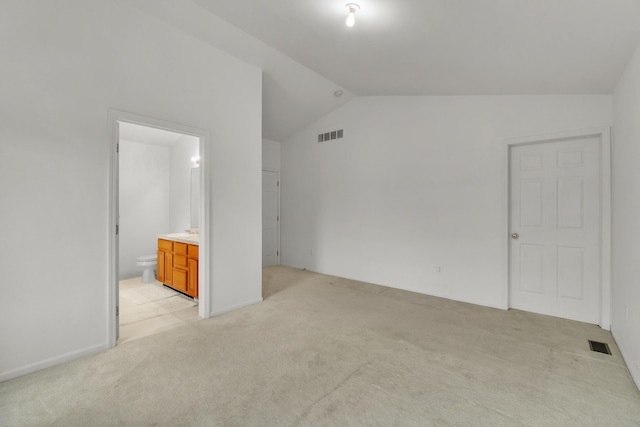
(117, 310)
(277, 253)
(117, 229)
(278, 218)
(117, 148)
(278, 183)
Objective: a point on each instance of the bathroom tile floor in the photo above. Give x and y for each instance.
(149, 308)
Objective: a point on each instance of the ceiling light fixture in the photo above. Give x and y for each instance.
(352, 8)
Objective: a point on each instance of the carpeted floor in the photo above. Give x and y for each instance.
(321, 350)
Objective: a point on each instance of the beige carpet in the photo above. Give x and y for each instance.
(332, 352)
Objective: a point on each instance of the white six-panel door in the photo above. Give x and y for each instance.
(555, 228)
(270, 218)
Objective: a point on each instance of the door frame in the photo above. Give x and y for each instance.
(204, 276)
(604, 134)
(276, 171)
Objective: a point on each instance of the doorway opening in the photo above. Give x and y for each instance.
(270, 218)
(158, 194)
(559, 227)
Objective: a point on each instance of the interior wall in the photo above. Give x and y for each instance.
(414, 196)
(270, 155)
(626, 211)
(67, 64)
(144, 181)
(180, 201)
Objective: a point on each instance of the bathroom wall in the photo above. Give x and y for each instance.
(144, 201)
(179, 205)
(154, 196)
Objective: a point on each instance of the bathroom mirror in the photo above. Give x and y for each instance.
(195, 197)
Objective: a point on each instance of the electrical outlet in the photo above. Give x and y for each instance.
(438, 269)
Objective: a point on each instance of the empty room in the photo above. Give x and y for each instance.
(413, 213)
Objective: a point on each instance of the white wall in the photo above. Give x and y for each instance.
(626, 213)
(154, 186)
(416, 183)
(144, 182)
(293, 95)
(270, 155)
(180, 205)
(64, 65)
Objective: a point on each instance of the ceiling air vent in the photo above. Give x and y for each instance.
(328, 136)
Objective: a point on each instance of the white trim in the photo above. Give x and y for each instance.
(279, 214)
(47, 363)
(204, 268)
(112, 203)
(604, 133)
(236, 306)
(605, 229)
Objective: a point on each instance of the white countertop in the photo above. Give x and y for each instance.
(192, 239)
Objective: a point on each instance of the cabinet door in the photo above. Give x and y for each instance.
(180, 248)
(180, 261)
(165, 245)
(161, 266)
(192, 290)
(193, 251)
(180, 279)
(168, 268)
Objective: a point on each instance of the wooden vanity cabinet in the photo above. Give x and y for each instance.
(178, 266)
(192, 284)
(165, 261)
(180, 280)
(161, 274)
(168, 268)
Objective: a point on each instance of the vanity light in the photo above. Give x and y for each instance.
(196, 161)
(352, 8)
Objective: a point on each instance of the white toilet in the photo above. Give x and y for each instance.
(149, 263)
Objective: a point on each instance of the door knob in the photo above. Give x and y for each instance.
(515, 235)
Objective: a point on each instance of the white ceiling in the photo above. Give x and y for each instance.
(294, 96)
(411, 47)
(449, 47)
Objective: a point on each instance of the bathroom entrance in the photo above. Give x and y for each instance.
(157, 200)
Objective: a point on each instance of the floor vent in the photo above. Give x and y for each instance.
(600, 347)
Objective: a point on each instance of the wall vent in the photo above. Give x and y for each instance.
(329, 136)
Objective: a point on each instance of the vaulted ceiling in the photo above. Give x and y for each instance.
(412, 47)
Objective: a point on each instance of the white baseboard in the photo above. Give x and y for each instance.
(499, 306)
(633, 369)
(47, 363)
(235, 307)
(293, 266)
